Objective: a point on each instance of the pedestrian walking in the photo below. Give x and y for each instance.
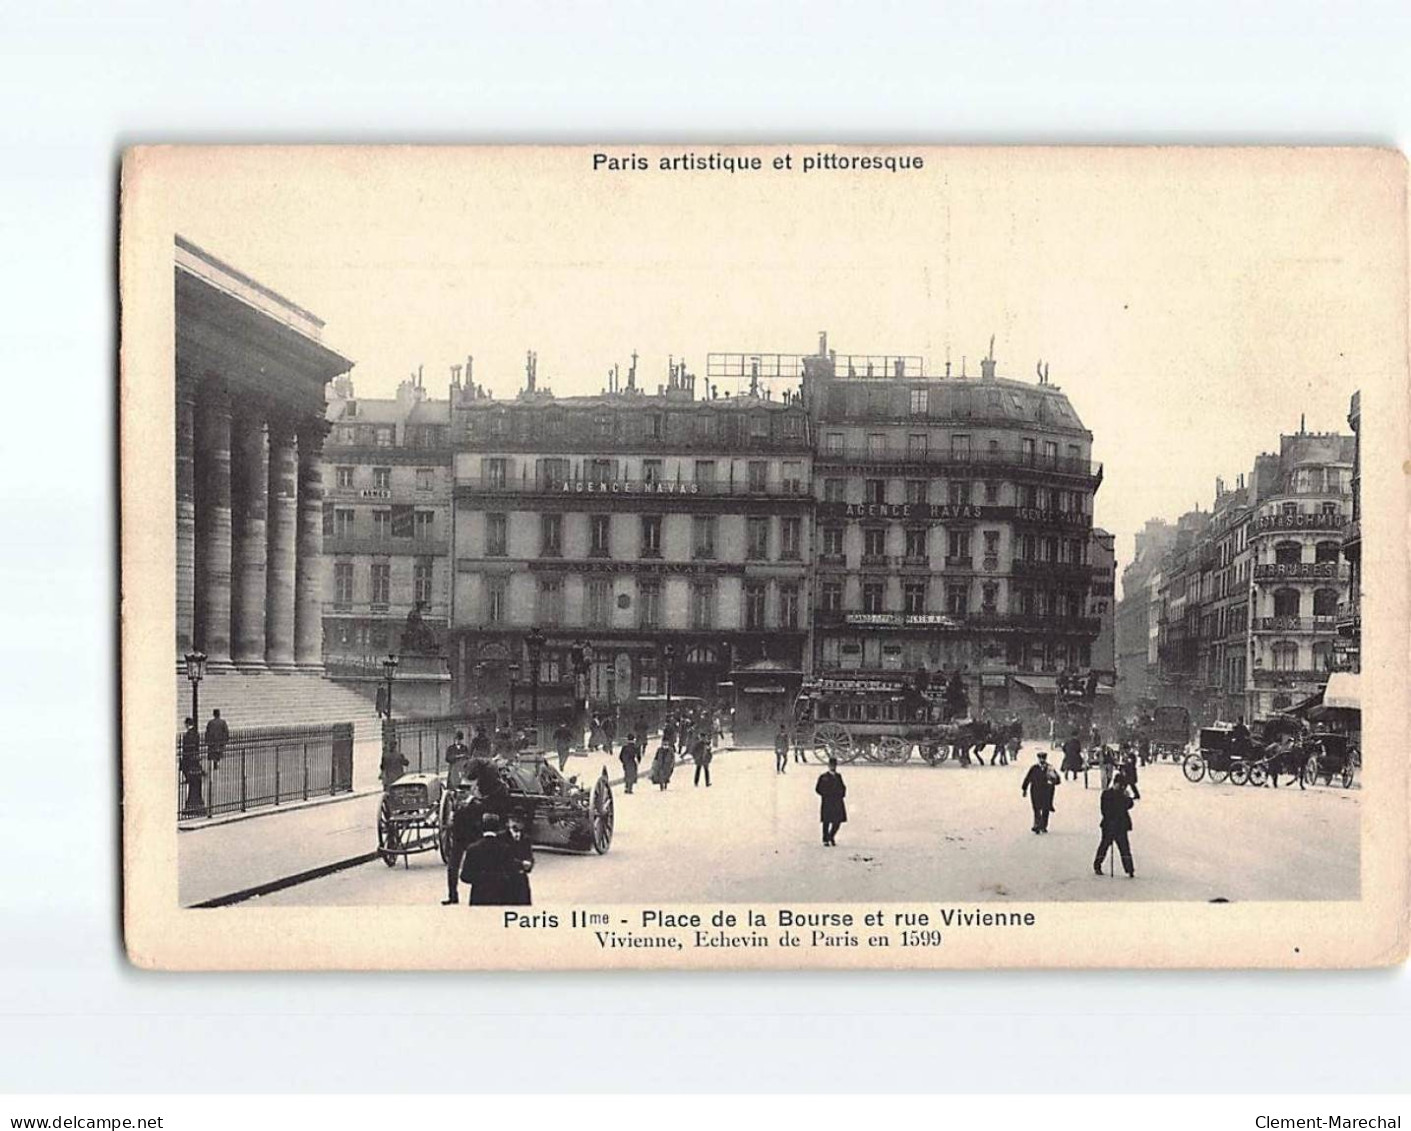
(562, 738)
(609, 733)
(191, 771)
(489, 864)
(1127, 767)
(668, 732)
(781, 750)
(457, 754)
(630, 756)
(702, 755)
(1072, 756)
(465, 830)
(1039, 784)
(394, 763)
(217, 736)
(1115, 808)
(663, 765)
(480, 744)
(832, 808)
(519, 864)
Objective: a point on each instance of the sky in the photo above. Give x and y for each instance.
(1192, 305)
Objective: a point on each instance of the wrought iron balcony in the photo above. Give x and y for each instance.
(980, 461)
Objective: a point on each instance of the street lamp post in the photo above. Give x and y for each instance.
(535, 643)
(196, 672)
(389, 669)
(668, 661)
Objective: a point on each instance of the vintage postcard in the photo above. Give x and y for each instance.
(788, 556)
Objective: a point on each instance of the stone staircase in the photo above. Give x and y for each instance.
(260, 699)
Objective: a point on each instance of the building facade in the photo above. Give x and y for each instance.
(669, 534)
(386, 523)
(1299, 578)
(250, 373)
(1102, 605)
(1349, 643)
(1135, 624)
(1248, 596)
(954, 521)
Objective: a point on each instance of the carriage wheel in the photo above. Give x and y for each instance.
(1258, 774)
(1311, 770)
(388, 839)
(893, 750)
(1347, 773)
(1218, 776)
(1193, 767)
(443, 827)
(833, 740)
(602, 816)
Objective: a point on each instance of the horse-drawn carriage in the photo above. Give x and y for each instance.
(1282, 750)
(416, 810)
(882, 721)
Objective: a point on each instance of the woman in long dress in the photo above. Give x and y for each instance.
(663, 764)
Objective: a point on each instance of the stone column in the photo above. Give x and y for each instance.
(213, 523)
(185, 517)
(250, 537)
(279, 580)
(308, 601)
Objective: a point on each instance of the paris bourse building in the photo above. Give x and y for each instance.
(870, 522)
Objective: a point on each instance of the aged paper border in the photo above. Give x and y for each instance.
(159, 934)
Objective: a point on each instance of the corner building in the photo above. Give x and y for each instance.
(954, 522)
(631, 522)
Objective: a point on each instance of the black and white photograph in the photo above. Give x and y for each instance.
(783, 555)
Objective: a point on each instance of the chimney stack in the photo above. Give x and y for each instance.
(822, 343)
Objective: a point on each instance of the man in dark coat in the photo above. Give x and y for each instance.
(663, 765)
(630, 757)
(832, 809)
(191, 770)
(562, 735)
(520, 864)
(480, 744)
(217, 735)
(701, 755)
(457, 753)
(1116, 809)
(1039, 784)
(466, 814)
(1073, 756)
(489, 865)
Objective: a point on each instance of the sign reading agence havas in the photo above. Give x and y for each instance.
(630, 487)
(905, 512)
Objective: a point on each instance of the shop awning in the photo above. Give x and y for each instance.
(1038, 684)
(1343, 691)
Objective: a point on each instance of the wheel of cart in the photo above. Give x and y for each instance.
(602, 814)
(1193, 767)
(893, 750)
(389, 836)
(833, 740)
(1248, 773)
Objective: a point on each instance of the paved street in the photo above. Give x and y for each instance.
(919, 833)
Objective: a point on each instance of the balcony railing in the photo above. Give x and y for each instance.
(1301, 571)
(1002, 460)
(1295, 624)
(1266, 677)
(421, 547)
(650, 488)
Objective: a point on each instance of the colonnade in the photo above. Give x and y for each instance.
(249, 530)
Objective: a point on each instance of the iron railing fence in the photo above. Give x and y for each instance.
(264, 766)
(423, 742)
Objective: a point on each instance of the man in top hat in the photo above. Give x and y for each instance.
(1116, 809)
(456, 755)
(1039, 784)
(832, 809)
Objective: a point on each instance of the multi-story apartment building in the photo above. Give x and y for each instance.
(1303, 501)
(1248, 595)
(1348, 647)
(1102, 606)
(1135, 625)
(386, 522)
(669, 533)
(954, 516)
